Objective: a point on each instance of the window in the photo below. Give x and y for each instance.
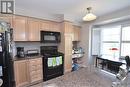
(110, 38)
(111, 34)
(125, 43)
(115, 37)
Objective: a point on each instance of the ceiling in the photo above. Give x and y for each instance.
(71, 9)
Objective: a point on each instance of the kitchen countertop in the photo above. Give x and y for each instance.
(84, 77)
(32, 57)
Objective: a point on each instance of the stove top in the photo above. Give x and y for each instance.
(52, 54)
(49, 51)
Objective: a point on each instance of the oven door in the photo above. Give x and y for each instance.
(53, 67)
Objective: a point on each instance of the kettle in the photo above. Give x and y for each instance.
(20, 52)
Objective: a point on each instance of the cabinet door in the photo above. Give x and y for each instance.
(21, 73)
(20, 31)
(54, 26)
(68, 28)
(33, 30)
(50, 26)
(76, 33)
(39, 69)
(35, 69)
(44, 26)
(68, 53)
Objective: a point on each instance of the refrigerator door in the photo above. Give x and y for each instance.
(6, 63)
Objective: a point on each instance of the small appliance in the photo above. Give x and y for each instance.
(20, 52)
(31, 53)
(50, 37)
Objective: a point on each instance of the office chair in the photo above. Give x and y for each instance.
(122, 75)
(127, 59)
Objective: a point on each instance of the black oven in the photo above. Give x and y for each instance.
(53, 62)
(50, 37)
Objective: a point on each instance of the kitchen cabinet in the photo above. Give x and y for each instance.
(66, 44)
(7, 18)
(20, 28)
(44, 26)
(35, 69)
(76, 31)
(21, 73)
(68, 28)
(68, 53)
(54, 26)
(28, 71)
(50, 26)
(33, 29)
(26, 29)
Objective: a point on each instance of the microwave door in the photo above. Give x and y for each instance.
(49, 38)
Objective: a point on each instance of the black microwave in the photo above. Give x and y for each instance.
(50, 37)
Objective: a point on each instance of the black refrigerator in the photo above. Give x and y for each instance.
(6, 60)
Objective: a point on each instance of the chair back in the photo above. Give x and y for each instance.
(127, 59)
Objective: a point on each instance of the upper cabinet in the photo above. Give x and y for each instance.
(66, 44)
(26, 29)
(68, 27)
(77, 32)
(44, 26)
(50, 26)
(20, 28)
(33, 29)
(55, 26)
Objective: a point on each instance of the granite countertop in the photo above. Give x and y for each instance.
(24, 58)
(84, 77)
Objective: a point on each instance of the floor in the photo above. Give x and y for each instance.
(85, 77)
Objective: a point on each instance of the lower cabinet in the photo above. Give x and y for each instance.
(35, 70)
(21, 73)
(28, 72)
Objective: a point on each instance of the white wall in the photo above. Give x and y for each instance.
(123, 14)
(46, 16)
(85, 42)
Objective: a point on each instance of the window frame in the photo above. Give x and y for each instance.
(120, 38)
(123, 41)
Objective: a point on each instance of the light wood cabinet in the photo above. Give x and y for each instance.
(21, 73)
(28, 71)
(76, 31)
(20, 28)
(68, 28)
(33, 29)
(68, 53)
(54, 26)
(50, 26)
(35, 70)
(66, 44)
(44, 26)
(28, 29)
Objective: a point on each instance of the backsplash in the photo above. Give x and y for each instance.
(32, 45)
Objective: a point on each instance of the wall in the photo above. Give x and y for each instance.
(123, 14)
(85, 42)
(46, 16)
(32, 45)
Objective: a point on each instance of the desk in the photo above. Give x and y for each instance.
(111, 63)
